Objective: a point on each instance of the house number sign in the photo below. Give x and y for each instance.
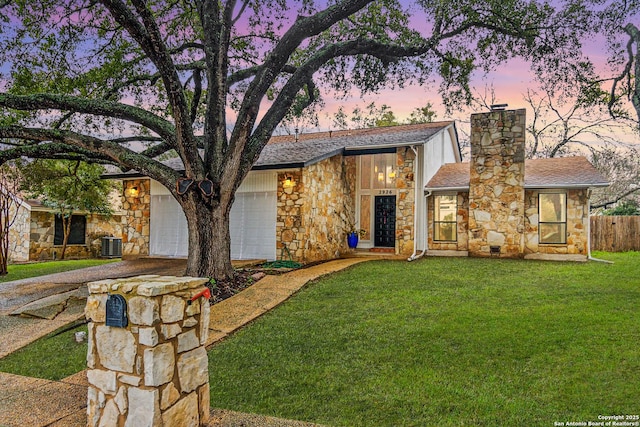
(386, 192)
(116, 311)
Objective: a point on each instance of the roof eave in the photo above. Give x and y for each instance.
(444, 189)
(566, 186)
(380, 146)
(527, 187)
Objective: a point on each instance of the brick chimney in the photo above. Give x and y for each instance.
(496, 185)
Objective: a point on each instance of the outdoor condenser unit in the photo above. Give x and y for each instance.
(111, 247)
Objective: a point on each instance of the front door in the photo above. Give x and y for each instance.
(385, 221)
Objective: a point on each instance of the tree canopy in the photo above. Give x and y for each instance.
(122, 83)
(68, 187)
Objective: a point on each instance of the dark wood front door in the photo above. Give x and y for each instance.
(385, 221)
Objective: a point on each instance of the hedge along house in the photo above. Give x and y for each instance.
(500, 204)
(306, 192)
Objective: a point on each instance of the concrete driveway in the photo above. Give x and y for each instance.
(19, 293)
(44, 304)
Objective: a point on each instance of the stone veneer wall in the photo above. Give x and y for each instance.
(496, 185)
(405, 201)
(289, 227)
(313, 215)
(154, 371)
(19, 234)
(462, 218)
(135, 223)
(577, 225)
(42, 233)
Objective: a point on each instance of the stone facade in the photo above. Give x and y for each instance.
(496, 183)
(19, 233)
(313, 215)
(577, 226)
(42, 233)
(462, 231)
(405, 201)
(135, 222)
(154, 371)
(315, 209)
(498, 211)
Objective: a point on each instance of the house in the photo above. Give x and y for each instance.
(405, 187)
(36, 234)
(306, 192)
(499, 204)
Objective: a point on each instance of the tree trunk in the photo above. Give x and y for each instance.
(66, 229)
(4, 238)
(4, 249)
(209, 238)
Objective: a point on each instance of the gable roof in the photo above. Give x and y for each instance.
(310, 148)
(286, 152)
(562, 172)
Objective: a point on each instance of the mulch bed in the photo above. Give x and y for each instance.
(243, 278)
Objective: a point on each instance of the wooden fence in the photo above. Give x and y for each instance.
(615, 233)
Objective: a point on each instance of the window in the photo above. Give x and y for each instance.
(553, 218)
(384, 171)
(445, 224)
(77, 233)
(378, 175)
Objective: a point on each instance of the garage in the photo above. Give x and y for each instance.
(252, 220)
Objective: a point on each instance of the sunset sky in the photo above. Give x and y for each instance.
(509, 81)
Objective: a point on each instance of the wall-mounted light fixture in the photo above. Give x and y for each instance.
(288, 182)
(132, 192)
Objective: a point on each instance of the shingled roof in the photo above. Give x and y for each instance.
(562, 172)
(311, 148)
(286, 151)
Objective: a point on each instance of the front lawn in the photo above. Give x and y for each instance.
(444, 342)
(52, 357)
(35, 269)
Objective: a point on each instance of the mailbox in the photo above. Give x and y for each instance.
(116, 311)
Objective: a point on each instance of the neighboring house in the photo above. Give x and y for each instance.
(37, 235)
(306, 192)
(500, 204)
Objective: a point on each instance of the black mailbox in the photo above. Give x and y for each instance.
(116, 311)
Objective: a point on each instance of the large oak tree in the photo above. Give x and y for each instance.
(124, 82)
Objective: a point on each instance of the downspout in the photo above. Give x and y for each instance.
(414, 255)
(589, 257)
(425, 239)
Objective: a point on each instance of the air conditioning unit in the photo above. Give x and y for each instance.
(111, 247)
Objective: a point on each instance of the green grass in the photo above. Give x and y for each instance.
(52, 357)
(479, 342)
(25, 271)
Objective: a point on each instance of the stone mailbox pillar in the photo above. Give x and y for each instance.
(154, 370)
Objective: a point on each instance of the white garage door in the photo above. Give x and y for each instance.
(252, 220)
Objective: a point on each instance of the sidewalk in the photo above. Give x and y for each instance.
(28, 401)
